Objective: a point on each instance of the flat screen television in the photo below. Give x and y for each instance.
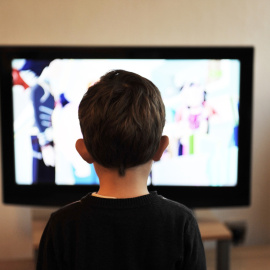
(207, 92)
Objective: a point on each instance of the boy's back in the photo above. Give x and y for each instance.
(122, 119)
(147, 232)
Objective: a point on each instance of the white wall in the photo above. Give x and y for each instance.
(158, 22)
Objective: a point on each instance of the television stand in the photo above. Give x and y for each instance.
(211, 230)
(214, 230)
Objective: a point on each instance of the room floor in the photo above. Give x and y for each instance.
(242, 258)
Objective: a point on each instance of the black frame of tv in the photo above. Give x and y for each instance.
(194, 197)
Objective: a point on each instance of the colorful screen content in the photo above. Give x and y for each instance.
(202, 118)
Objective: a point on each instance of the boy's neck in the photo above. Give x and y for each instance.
(132, 184)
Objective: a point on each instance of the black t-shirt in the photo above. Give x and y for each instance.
(147, 232)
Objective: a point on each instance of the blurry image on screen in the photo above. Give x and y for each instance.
(202, 117)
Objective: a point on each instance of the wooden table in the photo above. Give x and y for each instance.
(212, 229)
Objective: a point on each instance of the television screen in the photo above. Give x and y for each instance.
(207, 94)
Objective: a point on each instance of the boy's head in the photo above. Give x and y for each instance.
(122, 118)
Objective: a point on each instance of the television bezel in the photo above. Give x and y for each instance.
(194, 197)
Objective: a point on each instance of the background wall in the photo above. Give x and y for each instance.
(151, 22)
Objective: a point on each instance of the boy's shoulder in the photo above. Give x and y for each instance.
(67, 213)
(175, 204)
(154, 203)
(175, 208)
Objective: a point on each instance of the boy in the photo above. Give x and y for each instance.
(122, 226)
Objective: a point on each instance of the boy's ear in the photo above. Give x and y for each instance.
(81, 148)
(164, 142)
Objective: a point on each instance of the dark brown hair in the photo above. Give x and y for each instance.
(122, 118)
